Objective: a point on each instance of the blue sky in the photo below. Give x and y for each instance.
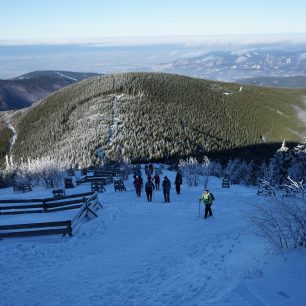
(64, 20)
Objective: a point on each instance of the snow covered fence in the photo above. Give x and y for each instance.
(22, 206)
(66, 227)
(89, 207)
(36, 229)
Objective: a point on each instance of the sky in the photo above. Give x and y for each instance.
(71, 20)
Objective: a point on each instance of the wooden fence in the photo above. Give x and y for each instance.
(23, 206)
(89, 206)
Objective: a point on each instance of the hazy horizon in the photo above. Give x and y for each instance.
(106, 37)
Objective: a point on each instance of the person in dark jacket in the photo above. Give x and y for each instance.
(138, 185)
(149, 187)
(178, 182)
(156, 179)
(166, 189)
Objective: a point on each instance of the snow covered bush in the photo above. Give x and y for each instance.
(216, 169)
(241, 171)
(189, 169)
(193, 171)
(282, 221)
(45, 171)
(232, 169)
(204, 170)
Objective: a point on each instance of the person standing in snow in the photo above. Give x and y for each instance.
(138, 185)
(149, 187)
(178, 182)
(166, 189)
(207, 198)
(156, 179)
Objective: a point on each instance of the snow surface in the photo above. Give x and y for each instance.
(140, 253)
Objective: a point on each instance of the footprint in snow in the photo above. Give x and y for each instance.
(283, 294)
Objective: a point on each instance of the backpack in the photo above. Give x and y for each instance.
(166, 184)
(212, 196)
(149, 186)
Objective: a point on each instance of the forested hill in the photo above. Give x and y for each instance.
(156, 116)
(29, 88)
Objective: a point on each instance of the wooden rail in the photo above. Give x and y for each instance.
(45, 228)
(23, 206)
(89, 206)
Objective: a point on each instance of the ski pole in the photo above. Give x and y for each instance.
(199, 208)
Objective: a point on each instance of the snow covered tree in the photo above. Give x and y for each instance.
(216, 169)
(281, 163)
(204, 170)
(282, 222)
(276, 171)
(190, 170)
(232, 169)
(45, 171)
(297, 169)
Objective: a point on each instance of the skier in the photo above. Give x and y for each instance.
(207, 198)
(156, 179)
(149, 187)
(166, 188)
(138, 185)
(178, 182)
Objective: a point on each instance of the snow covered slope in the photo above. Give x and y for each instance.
(140, 253)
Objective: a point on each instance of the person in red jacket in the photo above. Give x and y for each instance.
(156, 180)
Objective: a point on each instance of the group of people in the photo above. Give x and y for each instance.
(153, 183)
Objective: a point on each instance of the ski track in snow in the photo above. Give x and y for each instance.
(140, 253)
(66, 76)
(114, 120)
(112, 127)
(14, 137)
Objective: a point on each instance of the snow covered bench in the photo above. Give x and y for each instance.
(98, 186)
(119, 185)
(22, 187)
(105, 179)
(68, 183)
(225, 183)
(58, 193)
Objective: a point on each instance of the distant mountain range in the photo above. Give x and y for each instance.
(154, 116)
(288, 82)
(29, 88)
(235, 66)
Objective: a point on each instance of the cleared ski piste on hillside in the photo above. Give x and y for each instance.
(140, 253)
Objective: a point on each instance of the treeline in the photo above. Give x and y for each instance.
(155, 116)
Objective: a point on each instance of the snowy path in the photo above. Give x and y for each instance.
(139, 253)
